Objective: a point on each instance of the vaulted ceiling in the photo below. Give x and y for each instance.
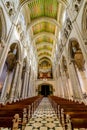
(45, 19)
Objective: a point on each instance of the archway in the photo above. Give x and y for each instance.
(66, 79)
(45, 90)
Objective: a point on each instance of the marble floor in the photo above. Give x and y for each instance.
(44, 118)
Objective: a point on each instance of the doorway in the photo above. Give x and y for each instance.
(45, 90)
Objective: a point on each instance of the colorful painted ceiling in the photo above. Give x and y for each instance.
(44, 39)
(44, 26)
(39, 8)
(45, 22)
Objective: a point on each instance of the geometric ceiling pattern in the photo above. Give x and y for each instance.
(43, 8)
(46, 19)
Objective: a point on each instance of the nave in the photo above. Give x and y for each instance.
(43, 52)
(44, 118)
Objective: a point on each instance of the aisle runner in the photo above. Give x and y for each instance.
(44, 118)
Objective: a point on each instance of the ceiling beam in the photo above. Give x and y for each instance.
(44, 19)
(44, 50)
(43, 34)
(43, 44)
(44, 59)
(44, 55)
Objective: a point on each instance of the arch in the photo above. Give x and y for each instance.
(19, 49)
(3, 29)
(44, 58)
(43, 44)
(44, 50)
(41, 56)
(44, 19)
(44, 34)
(42, 89)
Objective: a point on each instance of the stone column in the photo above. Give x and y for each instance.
(3, 57)
(7, 86)
(14, 85)
(30, 85)
(61, 87)
(4, 87)
(60, 92)
(77, 92)
(24, 84)
(26, 87)
(64, 86)
(1, 49)
(58, 87)
(18, 87)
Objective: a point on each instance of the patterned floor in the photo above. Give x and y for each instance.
(44, 118)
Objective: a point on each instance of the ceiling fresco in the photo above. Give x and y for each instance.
(44, 47)
(45, 22)
(40, 8)
(44, 53)
(44, 39)
(44, 27)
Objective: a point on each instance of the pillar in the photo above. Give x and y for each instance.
(14, 85)
(3, 57)
(18, 86)
(61, 90)
(77, 92)
(24, 84)
(1, 48)
(26, 87)
(65, 87)
(7, 86)
(4, 87)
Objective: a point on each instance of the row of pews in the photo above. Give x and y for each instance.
(17, 114)
(71, 114)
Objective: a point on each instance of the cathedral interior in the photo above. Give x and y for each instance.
(43, 64)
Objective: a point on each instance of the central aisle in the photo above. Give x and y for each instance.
(44, 118)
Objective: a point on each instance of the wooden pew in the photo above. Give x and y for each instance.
(71, 114)
(22, 108)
